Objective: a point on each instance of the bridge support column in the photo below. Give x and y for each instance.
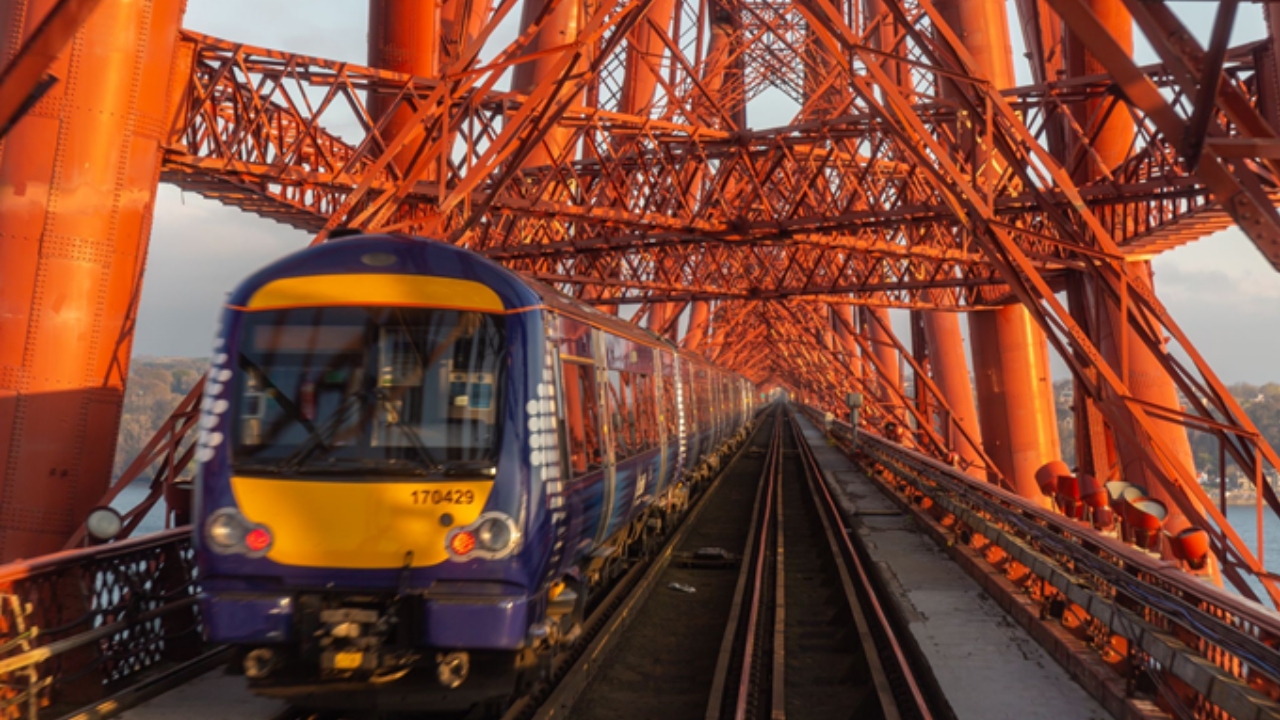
(949, 368)
(562, 25)
(1015, 395)
(877, 329)
(1141, 371)
(1010, 355)
(699, 325)
(1149, 382)
(78, 179)
(404, 37)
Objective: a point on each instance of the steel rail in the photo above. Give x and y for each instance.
(886, 655)
(760, 570)
(778, 693)
(726, 656)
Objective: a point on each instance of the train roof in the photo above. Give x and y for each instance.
(393, 254)
(411, 255)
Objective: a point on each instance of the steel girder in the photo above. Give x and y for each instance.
(884, 197)
(1212, 407)
(818, 208)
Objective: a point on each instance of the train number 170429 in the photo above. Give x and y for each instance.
(443, 496)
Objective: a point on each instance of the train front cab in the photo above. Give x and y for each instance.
(370, 497)
(380, 526)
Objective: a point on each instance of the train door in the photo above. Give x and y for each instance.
(660, 411)
(583, 427)
(717, 413)
(608, 446)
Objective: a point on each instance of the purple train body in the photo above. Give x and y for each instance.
(416, 466)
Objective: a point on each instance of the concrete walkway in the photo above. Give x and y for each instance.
(988, 667)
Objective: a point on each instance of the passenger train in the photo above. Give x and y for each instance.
(416, 466)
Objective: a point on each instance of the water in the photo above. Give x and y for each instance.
(133, 494)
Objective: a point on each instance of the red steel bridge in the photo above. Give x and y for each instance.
(605, 150)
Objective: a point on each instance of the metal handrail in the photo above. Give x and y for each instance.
(1088, 537)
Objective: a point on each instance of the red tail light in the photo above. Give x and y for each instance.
(257, 539)
(462, 542)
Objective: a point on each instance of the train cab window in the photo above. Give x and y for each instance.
(368, 391)
(582, 423)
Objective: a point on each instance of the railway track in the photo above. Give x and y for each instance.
(765, 600)
(809, 636)
(789, 623)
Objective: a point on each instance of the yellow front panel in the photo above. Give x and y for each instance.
(359, 524)
(375, 289)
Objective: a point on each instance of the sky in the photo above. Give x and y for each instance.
(1220, 291)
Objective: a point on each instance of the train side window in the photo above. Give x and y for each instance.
(669, 405)
(670, 408)
(581, 417)
(646, 412)
(622, 413)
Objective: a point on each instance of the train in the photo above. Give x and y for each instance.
(416, 467)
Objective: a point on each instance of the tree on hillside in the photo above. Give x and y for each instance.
(156, 386)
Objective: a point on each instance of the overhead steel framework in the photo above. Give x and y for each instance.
(619, 166)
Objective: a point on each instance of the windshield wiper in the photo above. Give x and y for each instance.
(319, 437)
(275, 393)
(414, 441)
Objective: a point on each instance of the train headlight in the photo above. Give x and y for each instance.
(104, 524)
(225, 530)
(493, 534)
(230, 533)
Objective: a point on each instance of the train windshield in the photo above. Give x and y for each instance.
(368, 390)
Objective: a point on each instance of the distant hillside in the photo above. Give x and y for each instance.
(156, 385)
(1260, 403)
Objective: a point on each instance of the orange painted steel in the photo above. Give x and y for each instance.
(404, 37)
(888, 373)
(1011, 372)
(950, 370)
(554, 23)
(621, 169)
(1010, 358)
(1149, 383)
(461, 22)
(699, 325)
(1144, 373)
(77, 184)
(25, 79)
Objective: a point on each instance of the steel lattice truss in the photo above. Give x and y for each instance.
(902, 181)
(655, 208)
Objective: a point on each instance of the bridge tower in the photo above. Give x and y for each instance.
(1010, 354)
(78, 179)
